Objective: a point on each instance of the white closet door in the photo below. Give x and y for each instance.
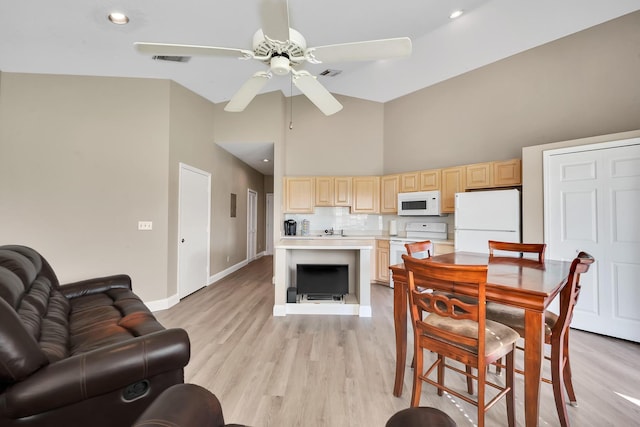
(592, 203)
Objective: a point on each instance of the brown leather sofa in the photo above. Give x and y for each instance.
(184, 405)
(83, 354)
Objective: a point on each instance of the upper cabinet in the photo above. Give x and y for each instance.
(430, 180)
(452, 183)
(389, 186)
(324, 191)
(299, 194)
(508, 172)
(342, 191)
(478, 175)
(366, 194)
(333, 191)
(410, 182)
(493, 174)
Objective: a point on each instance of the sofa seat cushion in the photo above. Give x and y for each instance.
(107, 318)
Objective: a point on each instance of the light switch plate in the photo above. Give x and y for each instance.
(145, 225)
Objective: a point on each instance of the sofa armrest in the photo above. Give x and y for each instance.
(95, 285)
(98, 372)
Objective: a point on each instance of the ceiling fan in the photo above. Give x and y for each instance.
(283, 49)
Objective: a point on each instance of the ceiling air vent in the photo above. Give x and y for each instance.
(171, 58)
(330, 73)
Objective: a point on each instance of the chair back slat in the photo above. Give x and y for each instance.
(422, 249)
(520, 248)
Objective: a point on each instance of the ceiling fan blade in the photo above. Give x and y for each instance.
(275, 19)
(316, 93)
(190, 50)
(361, 51)
(247, 92)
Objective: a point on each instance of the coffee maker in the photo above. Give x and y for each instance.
(289, 227)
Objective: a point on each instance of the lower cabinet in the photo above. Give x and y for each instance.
(382, 261)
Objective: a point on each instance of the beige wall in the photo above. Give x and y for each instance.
(582, 85)
(347, 143)
(82, 160)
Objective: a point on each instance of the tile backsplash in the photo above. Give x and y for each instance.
(341, 218)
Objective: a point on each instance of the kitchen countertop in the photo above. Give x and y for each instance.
(352, 237)
(324, 243)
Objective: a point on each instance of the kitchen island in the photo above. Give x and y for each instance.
(356, 253)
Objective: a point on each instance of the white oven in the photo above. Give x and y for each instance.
(415, 232)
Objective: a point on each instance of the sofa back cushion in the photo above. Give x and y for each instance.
(33, 313)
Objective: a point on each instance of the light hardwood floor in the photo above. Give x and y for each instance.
(303, 370)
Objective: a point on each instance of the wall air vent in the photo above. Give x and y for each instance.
(171, 58)
(330, 73)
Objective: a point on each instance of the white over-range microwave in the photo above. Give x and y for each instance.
(419, 203)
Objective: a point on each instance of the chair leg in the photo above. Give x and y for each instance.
(482, 377)
(511, 395)
(417, 382)
(557, 350)
(441, 369)
(469, 380)
(573, 401)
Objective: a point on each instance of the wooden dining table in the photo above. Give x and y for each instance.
(516, 282)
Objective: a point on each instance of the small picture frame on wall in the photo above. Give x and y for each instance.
(232, 209)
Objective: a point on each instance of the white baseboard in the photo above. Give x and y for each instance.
(166, 303)
(163, 304)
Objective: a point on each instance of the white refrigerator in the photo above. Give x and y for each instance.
(481, 216)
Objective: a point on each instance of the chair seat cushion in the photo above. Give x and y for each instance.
(497, 335)
(514, 317)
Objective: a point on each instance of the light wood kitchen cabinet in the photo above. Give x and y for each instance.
(430, 180)
(333, 191)
(342, 191)
(508, 172)
(324, 191)
(452, 183)
(389, 186)
(382, 261)
(299, 194)
(479, 175)
(366, 194)
(494, 174)
(409, 182)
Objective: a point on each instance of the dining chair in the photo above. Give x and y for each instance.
(520, 248)
(423, 249)
(458, 331)
(556, 334)
(511, 249)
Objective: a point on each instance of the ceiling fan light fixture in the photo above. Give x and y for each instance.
(118, 18)
(280, 65)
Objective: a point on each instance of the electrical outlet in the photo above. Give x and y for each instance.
(145, 225)
(227, 258)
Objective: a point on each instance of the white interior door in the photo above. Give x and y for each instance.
(269, 224)
(252, 224)
(592, 203)
(193, 229)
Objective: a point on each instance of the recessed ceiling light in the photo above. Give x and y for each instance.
(118, 18)
(456, 13)
(265, 160)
